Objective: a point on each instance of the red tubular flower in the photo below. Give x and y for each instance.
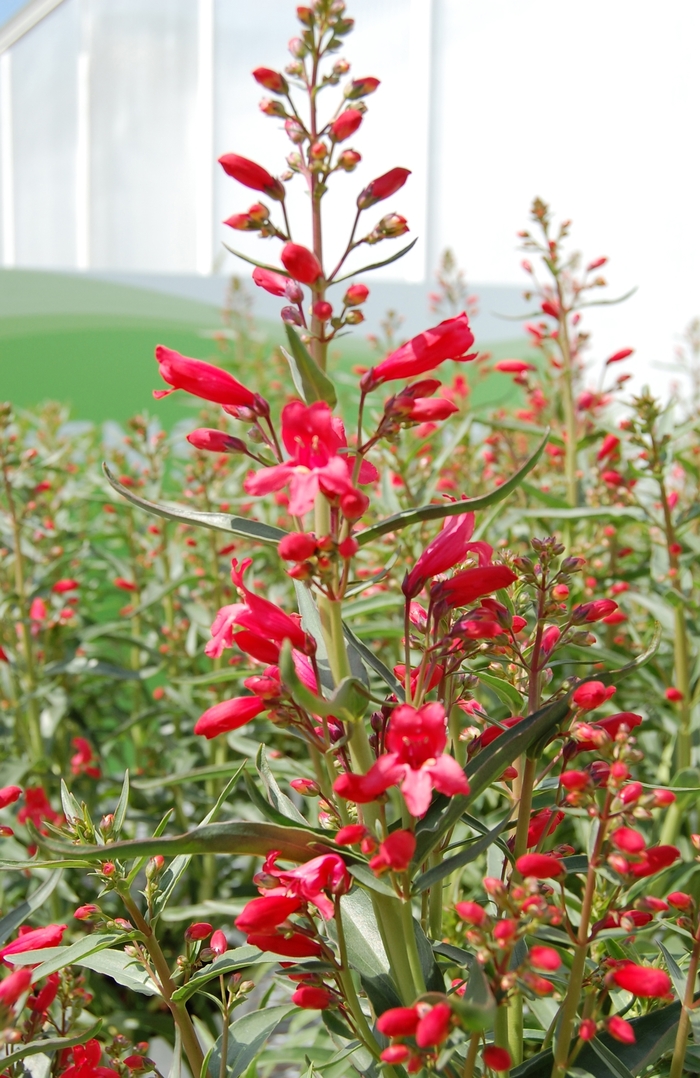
(383, 187)
(544, 958)
(82, 763)
(431, 410)
(297, 546)
(62, 586)
(471, 912)
(543, 822)
(628, 840)
(86, 1058)
(218, 943)
(33, 939)
(294, 946)
(497, 1059)
(463, 588)
(228, 715)
(575, 780)
(274, 283)
(345, 125)
(8, 795)
(86, 912)
(608, 446)
(215, 441)
(251, 175)
(271, 80)
(37, 808)
(542, 866)
(301, 263)
(673, 695)
(642, 981)
(201, 379)
(43, 999)
(350, 835)
(312, 998)
(592, 694)
(434, 1027)
(395, 853)
(125, 585)
(451, 339)
(361, 87)
(398, 1022)
(15, 985)
(618, 356)
(198, 930)
(621, 1030)
(266, 913)
(680, 900)
(448, 548)
(611, 725)
(356, 295)
(654, 860)
(514, 366)
(594, 611)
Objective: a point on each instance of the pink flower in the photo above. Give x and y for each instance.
(274, 283)
(228, 715)
(592, 694)
(251, 175)
(313, 437)
(8, 795)
(301, 263)
(267, 913)
(449, 340)
(642, 981)
(383, 187)
(463, 588)
(201, 379)
(215, 441)
(33, 939)
(448, 548)
(416, 761)
(82, 763)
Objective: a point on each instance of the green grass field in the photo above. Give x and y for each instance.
(90, 344)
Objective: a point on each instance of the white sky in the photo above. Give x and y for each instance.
(593, 107)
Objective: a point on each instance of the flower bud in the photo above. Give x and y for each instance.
(290, 316)
(353, 318)
(306, 787)
(348, 547)
(297, 546)
(360, 88)
(199, 930)
(89, 912)
(355, 295)
(349, 160)
(322, 310)
(272, 108)
(587, 1029)
(294, 292)
(271, 80)
(218, 943)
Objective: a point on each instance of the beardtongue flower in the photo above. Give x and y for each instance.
(592, 694)
(514, 366)
(470, 584)
(266, 913)
(301, 263)
(271, 80)
(497, 1059)
(8, 795)
(395, 853)
(398, 1022)
(274, 283)
(361, 87)
(617, 357)
(654, 860)
(345, 125)
(434, 1027)
(35, 939)
(312, 998)
(201, 379)
(383, 187)
(611, 725)
(448, 548)
(251, 175)
(295, 945)
(416, 761)
(229, 715)
(215, 441)
(542, 866)
(14, 986)
(621, 1030)
(642, 981)
(451, 339)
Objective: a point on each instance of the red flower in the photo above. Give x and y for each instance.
(8, 795)
(449, 340)
(43, 999)
(251, 175)
(628, 840)
(82, 762)
(361, 87)
(542, 866)
(62, 586)
(125, 585)
(463, 588)
(673, 695)
(544, 958)
(218, 943)
(266, 913)
(434, 1027)
(201, 379)
(312, 998)
(592, 694)
(86, 1058)
(33, 939)
(271, 80)
(215, 441)
(350, 835)
(395, 853)
(497, 1059)
(345, 125)
(622, 354)
(608, 446)
(642, 981)
(611, 725)
(37, 808)
(301, 263)
(398, 1022)
(654, 860)
(313, 437)
(416, 761)
(15, 985)
(575, 780)
(383, 187)
(680, 900)
(448, 548)
(545, 821)
(228, 715)
(274, 283)
(294, 946)
(621, 1030)
(514, 366)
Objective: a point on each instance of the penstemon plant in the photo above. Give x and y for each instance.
(468, 876)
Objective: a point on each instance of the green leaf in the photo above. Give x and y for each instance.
(677, 975)
(253, 262)
(72, 955)
(377, 265)
(277, 799)
(477, 1007)
(450, 509)
(19, 914)
(483, 769)
(224, 522)
(374, 663)
(197, 774)
(238, 958)
(312, 384)
(123, 969)
(506, 692)
(363, 939)
(246, 1037)
(366, 877)
(122, 805)
(242, 838)
(71, 808)
(50, 1044)
(611, 1059)
(432, 975)
(446, 867)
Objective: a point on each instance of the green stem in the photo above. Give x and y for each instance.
(473, 1052)
(409, 942)
(680, 650)
(680, 1046)
(435, 906)
(348, 986)
(568, 401)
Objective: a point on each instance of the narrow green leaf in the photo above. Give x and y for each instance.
(72, 955)
(237, 958)
(246, 1038)
(50, 1044)
(19, 914)
(470, 853)
(506, 692)
(197, 774)
(122, 805)
(312, 384)
(450, 509)
(366, 877)
(611, 1059)
(224, 522)
(71, 808)
(377, 265)
(374, 663)
(477, 1007)
(677, 975)
(254, 262)
(276, 797)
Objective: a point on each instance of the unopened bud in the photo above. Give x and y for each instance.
(290, 316)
